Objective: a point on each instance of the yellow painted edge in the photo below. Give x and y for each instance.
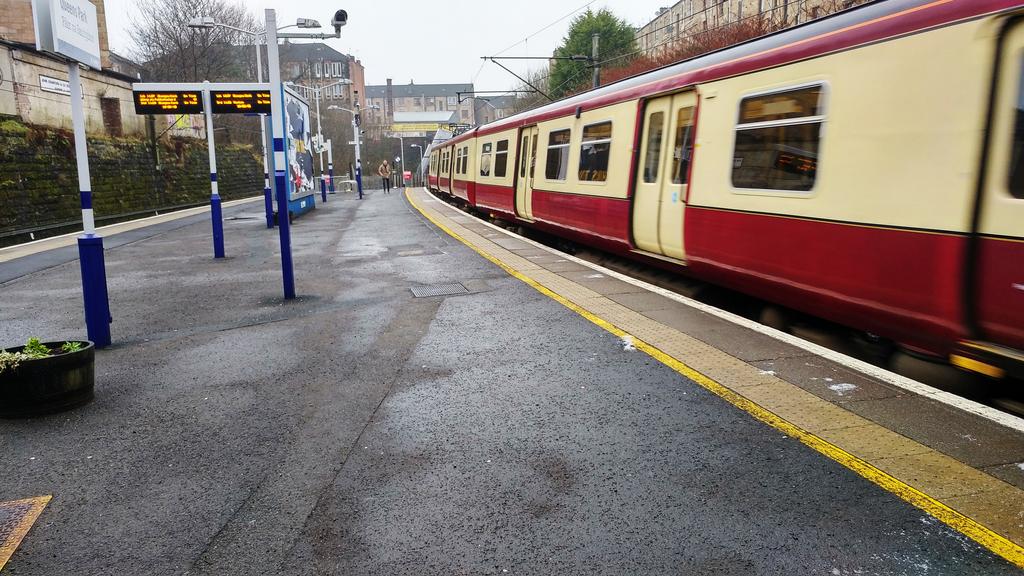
(997, 543)
(8, 547)
(976, 366)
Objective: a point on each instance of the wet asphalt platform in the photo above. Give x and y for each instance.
(363, 430)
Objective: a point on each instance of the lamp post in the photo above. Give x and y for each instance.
(277, 131)
(355, 140)
(317, 90)
(208, 23)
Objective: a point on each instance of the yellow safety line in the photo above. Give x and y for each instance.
(8, 546)
(974, 530)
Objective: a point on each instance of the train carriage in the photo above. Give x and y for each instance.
(865, 168)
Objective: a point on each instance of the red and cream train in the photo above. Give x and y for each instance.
(865, 168)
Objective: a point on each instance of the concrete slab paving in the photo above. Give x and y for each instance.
(361, 430)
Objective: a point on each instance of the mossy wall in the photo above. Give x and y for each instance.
(39, 178)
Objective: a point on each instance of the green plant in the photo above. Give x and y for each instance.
(35, 349)
(69, 347)
(10, 360)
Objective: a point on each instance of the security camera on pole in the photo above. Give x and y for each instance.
(277, 131)
(69, 28)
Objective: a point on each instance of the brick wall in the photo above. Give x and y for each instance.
(39, 182)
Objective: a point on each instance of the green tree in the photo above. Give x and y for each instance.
(616, 39)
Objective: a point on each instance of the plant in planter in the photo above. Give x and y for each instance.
(44, 377)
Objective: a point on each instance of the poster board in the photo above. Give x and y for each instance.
(298, 145)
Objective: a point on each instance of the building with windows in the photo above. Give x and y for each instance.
(391, 98)
(317, 64)
(34, 85)
(687, 17)
(491, 108)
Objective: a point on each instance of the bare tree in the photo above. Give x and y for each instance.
(539, 78)
(171, 51)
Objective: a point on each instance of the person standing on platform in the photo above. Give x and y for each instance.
(384, 170)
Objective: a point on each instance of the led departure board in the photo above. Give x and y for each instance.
(168, 102)
(240, 102)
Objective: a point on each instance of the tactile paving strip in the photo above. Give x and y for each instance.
(16, 517)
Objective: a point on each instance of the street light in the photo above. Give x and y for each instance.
(355, 140)
(208, 23)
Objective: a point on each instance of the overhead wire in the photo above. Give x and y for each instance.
(532, 35)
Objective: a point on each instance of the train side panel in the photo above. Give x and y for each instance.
(874, 158)
(581, 183)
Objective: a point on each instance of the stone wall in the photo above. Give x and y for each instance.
(39, 181)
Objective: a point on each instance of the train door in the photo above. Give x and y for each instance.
(527, 166)
(449, 168)
(659, 196)
(998, 283)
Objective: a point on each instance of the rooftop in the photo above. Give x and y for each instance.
(424, 117)
(290, 52)
(412, 90)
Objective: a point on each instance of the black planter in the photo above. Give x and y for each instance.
(47, 385)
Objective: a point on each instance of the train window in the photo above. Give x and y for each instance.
(558, 155)
(683, 150)
(485, 159)
(1016, 184)
(465, 159)
(458, 160)
(594, 151)
(522, 157)
(777, 139)
(655, 133)
(500, 158)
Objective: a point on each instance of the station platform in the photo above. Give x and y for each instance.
(444, 397)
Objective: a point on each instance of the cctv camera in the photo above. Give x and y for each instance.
(339, 20)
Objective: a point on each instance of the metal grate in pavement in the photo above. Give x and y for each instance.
(16, 518)
(438, 290)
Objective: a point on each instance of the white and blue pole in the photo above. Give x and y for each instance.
(216, 216)
(90, 244)
(359, 162)
(330, 167)
(268, 202)
(280, 162)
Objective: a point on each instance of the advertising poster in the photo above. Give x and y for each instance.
(298, 146)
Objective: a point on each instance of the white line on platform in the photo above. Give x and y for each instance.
(69, 239)
(986, 412)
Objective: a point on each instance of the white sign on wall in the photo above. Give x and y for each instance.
(55, 85)
(68, 27)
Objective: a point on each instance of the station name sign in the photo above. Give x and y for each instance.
(167, 102)
(240, 102)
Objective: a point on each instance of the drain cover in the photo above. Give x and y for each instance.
(15, 519)
(438, 290)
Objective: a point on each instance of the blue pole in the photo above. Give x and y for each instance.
(359, 177)
(280, 162)
(216, 216)
(90, 246)
(94, 289)
(323, 189)
(330, 178)
(283, 225)
(268, 200)
(218, 223)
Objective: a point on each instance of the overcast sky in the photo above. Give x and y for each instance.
(436, 41)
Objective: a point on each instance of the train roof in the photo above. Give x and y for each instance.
(861, 25)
